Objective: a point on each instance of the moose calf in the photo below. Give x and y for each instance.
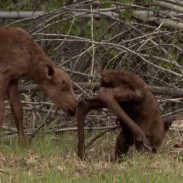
(136, 107)
(21, 56)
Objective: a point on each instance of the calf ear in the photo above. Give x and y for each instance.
(49, 70)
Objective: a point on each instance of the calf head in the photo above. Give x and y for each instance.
(57, 85)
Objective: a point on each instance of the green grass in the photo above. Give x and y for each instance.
(53, 158)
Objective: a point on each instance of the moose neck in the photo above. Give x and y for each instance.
(38, 62)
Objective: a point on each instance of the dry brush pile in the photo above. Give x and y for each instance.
(88, 36)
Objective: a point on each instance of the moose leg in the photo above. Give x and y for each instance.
(111, 97)
(84, 106)
(16, 108)
(3, 88)
(2, 109)
(123, 142)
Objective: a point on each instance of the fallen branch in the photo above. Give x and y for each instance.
(149, 16)
(175, 93)
(176, 2)
(170, 6)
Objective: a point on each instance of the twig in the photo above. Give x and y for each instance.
(92, 140)
(93, 45)
(172, 113)
(43, 124)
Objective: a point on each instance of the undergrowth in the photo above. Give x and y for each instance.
(53, 158)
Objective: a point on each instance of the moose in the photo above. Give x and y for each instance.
(21, 56)
(131, 100)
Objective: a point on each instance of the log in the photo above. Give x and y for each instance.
(172, 92)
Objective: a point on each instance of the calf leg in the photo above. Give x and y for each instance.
(16, 108)
(2, 109)
(123, 142)
(3, 88)
(84, 106)
(111, 96)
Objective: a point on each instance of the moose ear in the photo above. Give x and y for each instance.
(49, 70)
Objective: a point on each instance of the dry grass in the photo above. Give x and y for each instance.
(53, 158)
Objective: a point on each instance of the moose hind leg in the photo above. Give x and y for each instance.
(123, 142)
(2, 110)
(109, 95)
(3, 88)
(16, 108)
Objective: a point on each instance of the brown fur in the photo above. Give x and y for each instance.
(21, 56)
(143, 111)
(129, 97)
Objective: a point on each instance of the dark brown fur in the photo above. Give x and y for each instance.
(144, 112)
(21, 56)
(137, 106)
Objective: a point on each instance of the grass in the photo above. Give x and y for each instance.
(52, 158)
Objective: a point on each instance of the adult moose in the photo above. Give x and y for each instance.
(136, 107)
(21, 56)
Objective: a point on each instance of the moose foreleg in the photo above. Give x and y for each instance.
(111, 97)
(84, 106)
(16, 108)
